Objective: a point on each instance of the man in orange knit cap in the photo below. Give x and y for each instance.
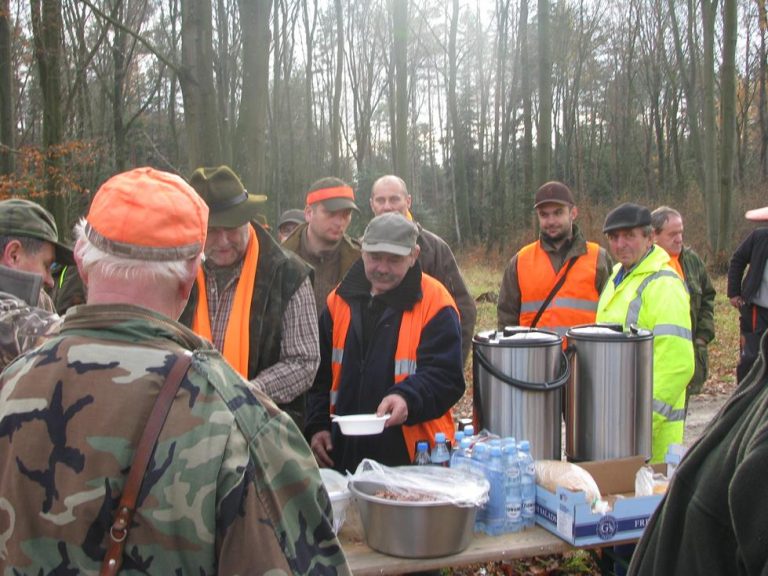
(322, 241)
(253, 299)
(230, 487)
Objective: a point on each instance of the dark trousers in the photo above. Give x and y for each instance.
(753, 322)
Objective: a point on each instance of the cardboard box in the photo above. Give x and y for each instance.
(568, 514)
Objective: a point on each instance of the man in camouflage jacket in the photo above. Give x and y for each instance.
(231, 488)
(29, 245)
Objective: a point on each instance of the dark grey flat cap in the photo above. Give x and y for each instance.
(627, 215)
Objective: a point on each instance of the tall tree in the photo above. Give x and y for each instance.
(252, 122)
(46, 28)
(337, 89)
(728, 126)
(197, 88)
(7, 123)
(400, 39)
(544, 126)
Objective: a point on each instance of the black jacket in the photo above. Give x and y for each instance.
(753, 251)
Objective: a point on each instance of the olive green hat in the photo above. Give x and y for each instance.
(229, 204)
(19, 217)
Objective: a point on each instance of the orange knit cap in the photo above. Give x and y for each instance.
(147, 214)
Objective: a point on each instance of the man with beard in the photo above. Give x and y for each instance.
(555, 282)
(322, 241)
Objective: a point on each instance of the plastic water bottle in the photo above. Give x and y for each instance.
(479, 462)
(527, 483)
(422, 454)
(513, 495)
(495, 517)
(458, 436)
(469, 432)
(460, 459)
(440, 454)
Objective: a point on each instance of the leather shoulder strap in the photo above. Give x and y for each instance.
(118, 532)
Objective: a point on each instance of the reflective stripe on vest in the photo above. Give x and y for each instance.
(575, 302)
(633, 311)
(434, 298)
(666, 411)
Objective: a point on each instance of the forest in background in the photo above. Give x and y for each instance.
(473, 102)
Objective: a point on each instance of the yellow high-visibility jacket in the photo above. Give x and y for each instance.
(653, 296)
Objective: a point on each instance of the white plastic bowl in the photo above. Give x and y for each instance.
(338, 491)
(360, 424)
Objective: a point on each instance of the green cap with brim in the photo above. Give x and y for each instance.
(19, 217)
(229, 204)
(390, 233)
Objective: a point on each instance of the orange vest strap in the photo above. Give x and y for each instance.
(237, 337)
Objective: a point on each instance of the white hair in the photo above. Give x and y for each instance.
(93, 259)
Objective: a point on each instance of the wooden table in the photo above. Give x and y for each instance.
(532, 542)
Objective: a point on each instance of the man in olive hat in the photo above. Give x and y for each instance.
(644, 291)
(322, 241)
(555, 282)
(748, 293)
(29, 245)
(253, 299)
(231, 486)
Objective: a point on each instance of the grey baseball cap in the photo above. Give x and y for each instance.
(390, 233)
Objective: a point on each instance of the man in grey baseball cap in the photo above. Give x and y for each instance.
(384, 315)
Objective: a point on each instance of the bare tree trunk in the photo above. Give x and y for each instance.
(400, 37)
(7, 122)
(525, 92)
(728, 126)
(709, 131)
(337, 86)
(201, 119)
(46, 29)
(252, 124)
(544, 129)
(763, 103)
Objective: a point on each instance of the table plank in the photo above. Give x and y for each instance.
(535, 541)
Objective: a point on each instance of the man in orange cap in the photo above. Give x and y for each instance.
(228, 468)
(749, 293)
(322, 241)
(253, 299)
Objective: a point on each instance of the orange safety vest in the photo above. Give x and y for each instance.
(576, 301)
(435, 298)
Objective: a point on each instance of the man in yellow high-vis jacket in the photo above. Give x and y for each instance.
(645, 291)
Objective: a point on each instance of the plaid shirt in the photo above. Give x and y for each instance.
(299, 348)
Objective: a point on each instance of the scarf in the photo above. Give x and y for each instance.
(237, 337)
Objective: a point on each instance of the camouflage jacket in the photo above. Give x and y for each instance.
(22, 327)
(232, 487)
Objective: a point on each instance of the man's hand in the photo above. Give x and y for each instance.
(737, 302)
(321, 446)
(395, 405)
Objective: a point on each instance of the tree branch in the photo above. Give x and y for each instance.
(135, 35)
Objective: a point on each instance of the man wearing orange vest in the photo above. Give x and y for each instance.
(555, 282)
(390, 343)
